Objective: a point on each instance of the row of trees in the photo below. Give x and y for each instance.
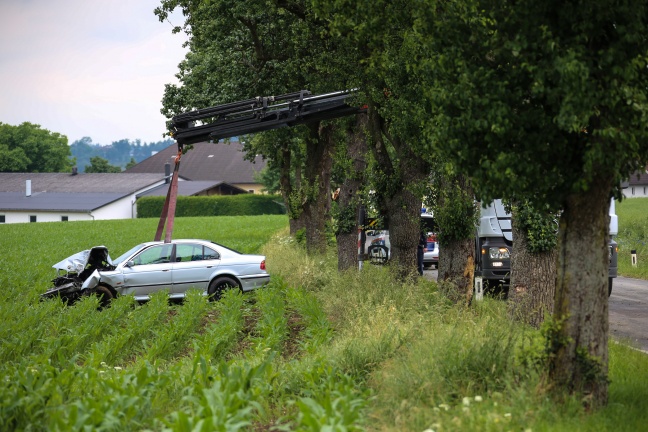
(113, 157)
(29, 148)
(541, 103)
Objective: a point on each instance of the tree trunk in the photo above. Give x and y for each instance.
(457, 252)
(348, 199)
(533, 280)
(578, 345)
(457, 269)
(295, 219)
(399, 203)
(404, 213)
(316, 186)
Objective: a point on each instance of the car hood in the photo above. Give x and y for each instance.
(77, 263)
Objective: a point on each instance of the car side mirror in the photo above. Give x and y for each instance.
(130, 263)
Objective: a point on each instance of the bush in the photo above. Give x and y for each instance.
(215, 205)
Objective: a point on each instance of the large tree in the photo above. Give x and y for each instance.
(547, 100)
(30, 148)
(376, 31)
(349, 197)
(257, 48)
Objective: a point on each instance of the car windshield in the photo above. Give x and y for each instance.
(125, 255)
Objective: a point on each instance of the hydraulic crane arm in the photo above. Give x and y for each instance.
(259, 114)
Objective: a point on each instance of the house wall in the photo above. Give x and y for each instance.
(123, 208)
(636, 191)
(120, 209)
(256, 187)
(41, 216)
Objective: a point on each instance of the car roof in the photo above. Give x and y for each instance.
(151, 243)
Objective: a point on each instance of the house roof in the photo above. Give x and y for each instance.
(640, 178)
(111, 183)
(56, 201)
(206, 162)
(189, 188)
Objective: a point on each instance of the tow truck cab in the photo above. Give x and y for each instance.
(494, 246)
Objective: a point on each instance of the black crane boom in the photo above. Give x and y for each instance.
(258, 115)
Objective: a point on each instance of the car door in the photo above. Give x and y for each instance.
(193, 266)
(149, 271)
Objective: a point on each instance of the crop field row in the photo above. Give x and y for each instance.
(196, 365)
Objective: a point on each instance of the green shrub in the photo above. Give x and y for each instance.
(214, 205)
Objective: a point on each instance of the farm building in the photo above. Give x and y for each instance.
(208, 162)
(50, 197)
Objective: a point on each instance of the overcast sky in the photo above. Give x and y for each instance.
(87, 68)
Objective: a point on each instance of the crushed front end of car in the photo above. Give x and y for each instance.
(72, 272)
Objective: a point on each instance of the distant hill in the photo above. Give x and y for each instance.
(119, 153)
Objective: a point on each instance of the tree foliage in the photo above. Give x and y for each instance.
(119, 153)
(101, 165)
(548, 101)
(516, 85)
(243, 50)
(30, 148)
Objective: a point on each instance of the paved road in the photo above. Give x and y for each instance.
(628, 310)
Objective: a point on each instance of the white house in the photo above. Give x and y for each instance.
(50, 197)
(637, 185)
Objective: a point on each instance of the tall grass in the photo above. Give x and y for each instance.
(431, 365)
(633, 235)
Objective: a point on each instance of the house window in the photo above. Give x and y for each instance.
(64, 218)
(251, 190)
(2, 219)
(32, 218)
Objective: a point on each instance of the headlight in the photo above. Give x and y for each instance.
(498, 253)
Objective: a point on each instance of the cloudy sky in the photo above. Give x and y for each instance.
(87, 68)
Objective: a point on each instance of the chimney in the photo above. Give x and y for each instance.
(28, 188)
(167, 172)
(75, 171)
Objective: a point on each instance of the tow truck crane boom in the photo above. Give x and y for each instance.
(246, 117)
(258, 115)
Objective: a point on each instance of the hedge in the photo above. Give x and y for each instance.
(214, 205)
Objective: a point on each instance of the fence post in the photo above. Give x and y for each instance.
(479, 288)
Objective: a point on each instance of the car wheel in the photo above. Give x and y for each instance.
(105, 295)
(218, 286)
(610, 286)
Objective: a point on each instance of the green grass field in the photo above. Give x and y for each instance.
(633, 235)
(315, 350)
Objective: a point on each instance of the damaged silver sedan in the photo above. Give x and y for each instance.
(150, 267)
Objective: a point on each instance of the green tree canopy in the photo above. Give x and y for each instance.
(30, 148)
(240, 50)
(546, 101)
(101, 165)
